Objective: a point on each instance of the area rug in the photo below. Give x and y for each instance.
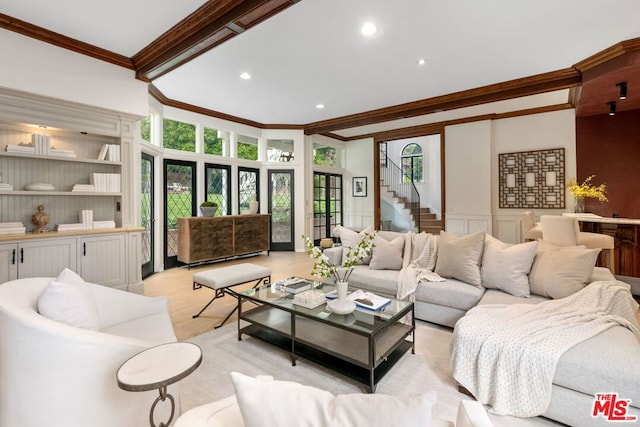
(427, 369)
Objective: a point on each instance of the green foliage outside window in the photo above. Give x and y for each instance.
(178, 135)
(212, 144)
(324, 156)
(247, 151)
(146, 129)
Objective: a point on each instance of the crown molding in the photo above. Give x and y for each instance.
(555, 80)
(155, 92)
(611, 53)
(438, 127)
(26, 29)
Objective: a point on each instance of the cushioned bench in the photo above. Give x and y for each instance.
(219, 279)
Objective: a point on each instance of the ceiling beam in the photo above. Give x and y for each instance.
(210, 25)
(555, 80)
(26, 29)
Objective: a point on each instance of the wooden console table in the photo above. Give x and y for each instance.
(203, 239)
(625, 231)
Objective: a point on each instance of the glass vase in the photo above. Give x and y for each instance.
(579, 206)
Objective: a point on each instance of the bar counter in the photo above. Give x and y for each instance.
(626, 232)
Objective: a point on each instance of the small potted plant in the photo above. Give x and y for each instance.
(208, 208)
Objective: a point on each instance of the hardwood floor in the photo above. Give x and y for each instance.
(184, 302)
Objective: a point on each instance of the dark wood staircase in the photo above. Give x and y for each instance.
(427, 222)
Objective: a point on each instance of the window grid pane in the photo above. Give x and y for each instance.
(218, 184)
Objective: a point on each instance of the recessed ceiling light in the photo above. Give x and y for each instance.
(245, 76)
(421, 61)
(319, 106)
(368, 29)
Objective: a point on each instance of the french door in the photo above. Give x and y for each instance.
(147, 214)
(179, 202)
(281, 210)
(327, 204)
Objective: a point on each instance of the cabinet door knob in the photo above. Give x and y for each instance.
(84, 249)
(13, 257)
(21, 255)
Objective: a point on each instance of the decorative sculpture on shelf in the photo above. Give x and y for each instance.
(40, 219)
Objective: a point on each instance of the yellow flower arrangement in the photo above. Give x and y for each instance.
(587, 190)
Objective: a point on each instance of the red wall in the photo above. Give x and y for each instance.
(609, 147)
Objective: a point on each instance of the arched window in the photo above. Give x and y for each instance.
(412, 163)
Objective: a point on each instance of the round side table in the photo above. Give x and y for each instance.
(156, 368)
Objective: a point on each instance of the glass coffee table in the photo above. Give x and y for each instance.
(363, 345)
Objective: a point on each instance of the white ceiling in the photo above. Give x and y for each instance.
(313, 52)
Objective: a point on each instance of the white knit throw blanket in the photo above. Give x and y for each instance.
(422, 260)
(506, 355)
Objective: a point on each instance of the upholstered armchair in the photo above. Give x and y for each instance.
(54, 374)
(565, 231)
(531, 230)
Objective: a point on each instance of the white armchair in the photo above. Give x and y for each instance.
(565, 231)
(58, 375)
(531, 229)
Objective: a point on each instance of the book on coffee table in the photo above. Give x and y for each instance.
(294, 285)
(364, 299)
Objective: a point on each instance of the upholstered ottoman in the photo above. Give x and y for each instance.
(219, 279)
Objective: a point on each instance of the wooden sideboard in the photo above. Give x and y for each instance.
(203, 239)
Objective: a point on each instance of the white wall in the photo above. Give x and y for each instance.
(468, 177)
(32, 66)
(471, 153)
(358, 162)
(526, 133)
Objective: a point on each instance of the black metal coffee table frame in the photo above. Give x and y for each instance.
(363, 345)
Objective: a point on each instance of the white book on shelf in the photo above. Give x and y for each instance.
(102, 155)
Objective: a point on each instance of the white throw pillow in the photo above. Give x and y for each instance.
(68, 300)
(459, 257)
(506, 267)
(349, 239)
(387, 255)
(559, 271)
(288, 404)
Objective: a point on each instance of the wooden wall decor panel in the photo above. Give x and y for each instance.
(532, 179)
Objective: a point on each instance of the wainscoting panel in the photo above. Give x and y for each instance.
(507, 229)
(467, 224)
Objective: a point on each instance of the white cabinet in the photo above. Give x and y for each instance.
(102, 259)
(8, 262)
(38, 258)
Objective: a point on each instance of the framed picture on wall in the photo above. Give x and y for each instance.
(360, 186)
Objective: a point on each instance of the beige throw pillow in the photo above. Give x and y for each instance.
(387, 255)
(559, 271)
(350, 238)
(506, 267)
(459, 257)
(264, 402)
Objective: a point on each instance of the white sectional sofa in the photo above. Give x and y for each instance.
(603, 364)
